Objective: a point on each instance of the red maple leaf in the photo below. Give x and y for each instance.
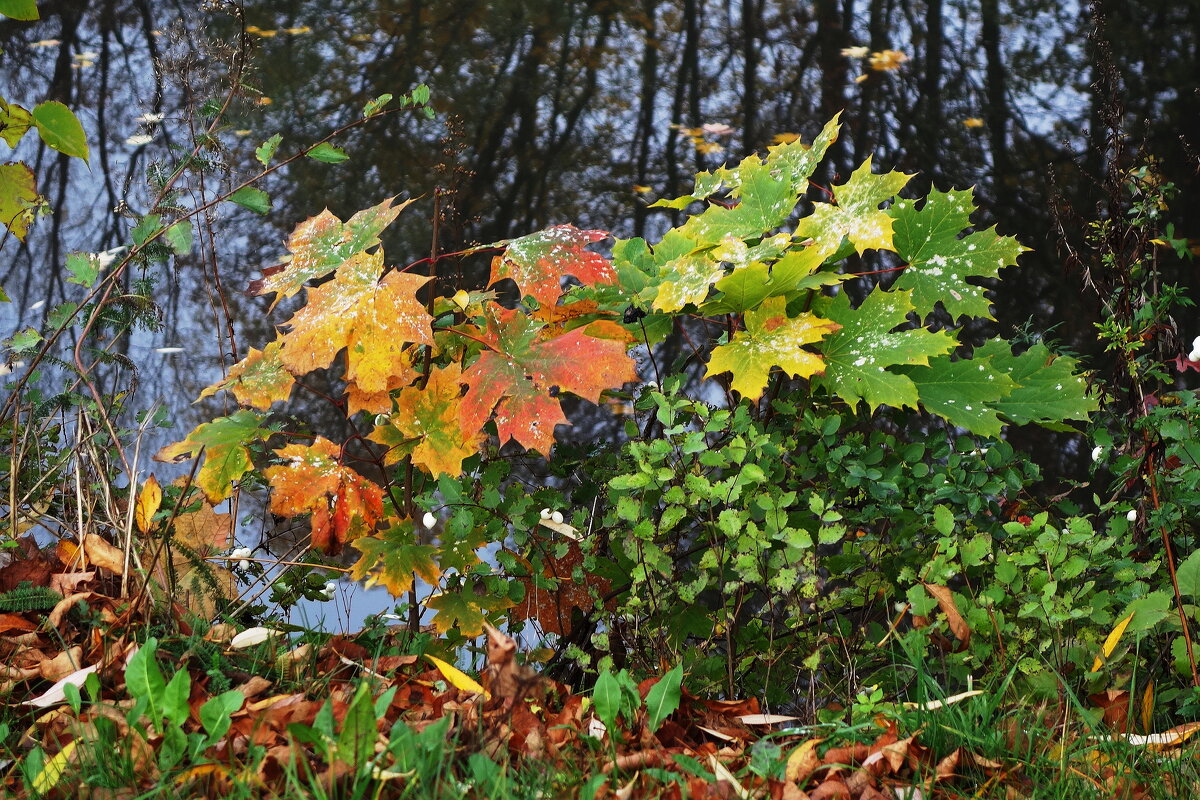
(519, 375)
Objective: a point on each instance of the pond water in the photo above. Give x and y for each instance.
(553, 111)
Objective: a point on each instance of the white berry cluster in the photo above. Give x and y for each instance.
(552, 516)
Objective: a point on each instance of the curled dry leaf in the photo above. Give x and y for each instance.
(103, 554)
(62, 664)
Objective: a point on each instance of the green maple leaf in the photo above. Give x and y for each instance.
(856, 215)
(538, 262)
(393, 557)
(940, 262)
(1048, 389)
(765, 200)
(859, 354)
(515, 377)
(320, 244)
(226, 454)
(963, 392)
(796, 272)
(464, 610)
(771, 339)
(258, 380)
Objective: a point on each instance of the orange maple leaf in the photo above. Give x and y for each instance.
(342, 502)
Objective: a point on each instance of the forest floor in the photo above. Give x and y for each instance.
(104, 700)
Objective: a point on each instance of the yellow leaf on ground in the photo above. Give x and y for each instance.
(53, 770)
(458, 679)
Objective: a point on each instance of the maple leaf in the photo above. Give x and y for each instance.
(393, 557)
(1048, 388)
(940, 260)
(320, 244)
(430, 415)
(797, 271)
(226, 455)
(258, 380)
(373, 319)
(963, 392)
(856, 215)
(771, 339)
(553, 598)
(538, 261)
(464, 610)
(379, 402)
(515, 377)
(196, 536)
(859, 354)
(341, 501)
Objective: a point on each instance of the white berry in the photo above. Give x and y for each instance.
(1097, 451)
(1131, 515)
(545, 513)
(429, 520)
(557, 517)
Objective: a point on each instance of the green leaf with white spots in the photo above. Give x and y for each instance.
(963, 392)
(691, 276)
(856, 215)
(771, 339)
(859, 354)
(1048, 389)
(940, 262)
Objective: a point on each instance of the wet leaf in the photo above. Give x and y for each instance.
(224, 442)
(539, 261)
(149, 499)
(517, 375)
(258, 380)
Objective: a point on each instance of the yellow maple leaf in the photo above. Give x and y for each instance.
(887, 60)
(373, 319)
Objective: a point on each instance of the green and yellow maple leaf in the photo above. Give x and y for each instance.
(320, 245)
(373, 319)
(858, 355)
(393, 558)
(771, 339)
(538, 262)
(226, 454)
(465, 610)
(429, 416)
(856, 215)
(516, 376)
(313, 481)
(258, 380)
(940, 259)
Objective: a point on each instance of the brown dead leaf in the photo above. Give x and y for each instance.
(62, 664)
(948, 767)
(1115, 705)
(503, 677)
(958, 625)
(832, 789)
(66, 583)
(10, 623)
(803, 762)
(103, 554)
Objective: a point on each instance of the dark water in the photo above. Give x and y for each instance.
(553, 111)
